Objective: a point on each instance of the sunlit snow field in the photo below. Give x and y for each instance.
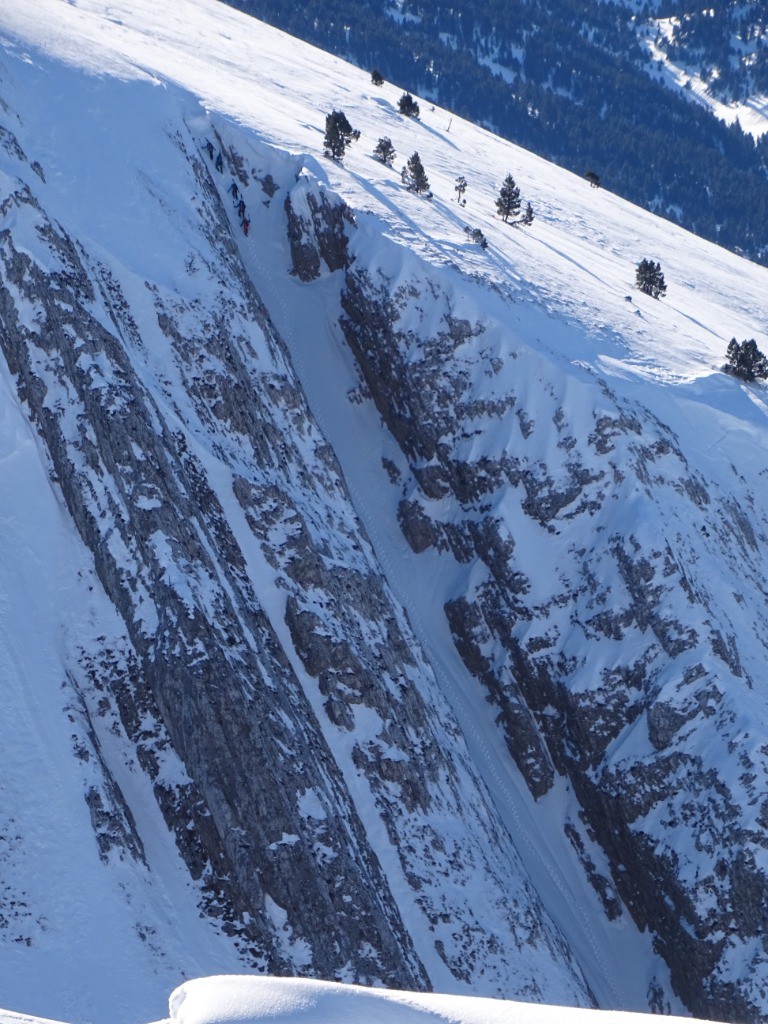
(253, 1000)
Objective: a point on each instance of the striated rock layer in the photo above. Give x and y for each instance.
(614, 660)
(321, 791)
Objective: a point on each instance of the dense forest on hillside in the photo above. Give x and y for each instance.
(568, 81)
(725, 41)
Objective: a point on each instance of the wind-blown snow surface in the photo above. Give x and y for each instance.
(239, 999)
(288, 1001)
(581, 489)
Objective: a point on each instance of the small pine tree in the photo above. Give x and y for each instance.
(408, 106)
(376, 77)
(414, 176)
(746, 361)
(476, 235)
(527, 219)
(385, 151)
(649, 279)
(338, 134)
(460, 188)
(508, 202)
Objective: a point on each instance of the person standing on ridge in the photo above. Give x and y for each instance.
(219, 163)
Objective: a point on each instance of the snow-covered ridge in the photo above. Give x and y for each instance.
(248, 999)
(287, 1001)
(279, 624)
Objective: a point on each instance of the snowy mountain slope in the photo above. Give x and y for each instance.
(566, 506)
(192, 487)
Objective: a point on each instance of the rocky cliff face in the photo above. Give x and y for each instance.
(615, 658)
(316, 781)
(211, 672)
(302, 732)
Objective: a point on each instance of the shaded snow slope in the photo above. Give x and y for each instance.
(416, 589)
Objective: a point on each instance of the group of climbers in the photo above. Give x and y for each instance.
(240, 206)
(233, 189)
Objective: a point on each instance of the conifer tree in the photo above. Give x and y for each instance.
(338, 134)
(376, 77)
(746, 361)
(527, 218)
(508, 202)
(408, 106)
(460, 188)
(479, 237)
(414, 176)
(385, 151)
(649, 279)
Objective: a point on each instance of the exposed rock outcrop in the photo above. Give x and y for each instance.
(317, 230)
(206, 657)
(299, 747)
(612, 667)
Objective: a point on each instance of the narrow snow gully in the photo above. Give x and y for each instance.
(451, 942)
(307, 318)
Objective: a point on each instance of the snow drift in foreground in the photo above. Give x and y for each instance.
(247, 1000)
(244, 999)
